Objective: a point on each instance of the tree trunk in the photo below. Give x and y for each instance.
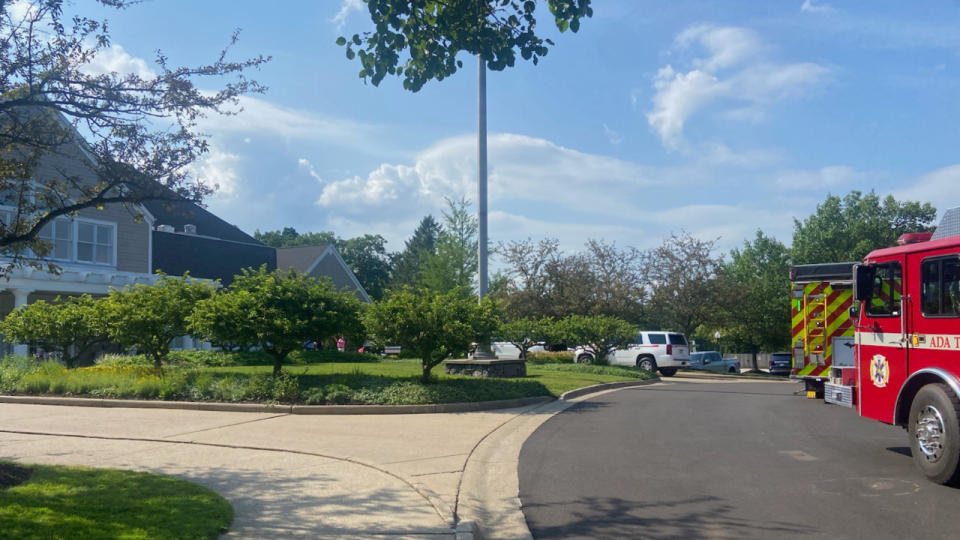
(277, 364)
(753, 360)
(426, 371)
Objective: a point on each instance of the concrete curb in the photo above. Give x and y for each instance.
(567, 396)
(279, 409)
(722, 376)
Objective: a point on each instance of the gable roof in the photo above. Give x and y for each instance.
(301, 258)
(306, 259)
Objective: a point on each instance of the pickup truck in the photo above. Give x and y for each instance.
(712, 361)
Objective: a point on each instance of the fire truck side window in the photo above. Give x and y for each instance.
(886, 290)
(940, 287)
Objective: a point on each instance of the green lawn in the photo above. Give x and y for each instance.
(387, 382)
(555, 378)
(76, 502)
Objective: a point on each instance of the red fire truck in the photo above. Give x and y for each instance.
(907, 303)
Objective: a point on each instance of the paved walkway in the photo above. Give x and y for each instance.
(352, 476)
(382, 476)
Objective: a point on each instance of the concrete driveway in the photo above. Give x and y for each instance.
(384, 476)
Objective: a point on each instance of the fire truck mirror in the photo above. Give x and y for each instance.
(862, 282)
(854, 312)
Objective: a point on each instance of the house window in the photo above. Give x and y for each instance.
(59, 233)
(94, 243)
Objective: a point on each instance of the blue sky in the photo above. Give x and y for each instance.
(715, 118)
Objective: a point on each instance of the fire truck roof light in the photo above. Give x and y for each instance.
(913, 238)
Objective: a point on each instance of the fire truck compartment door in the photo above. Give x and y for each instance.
(843, 352)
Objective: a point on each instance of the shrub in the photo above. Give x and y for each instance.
(313, 396)
(337, 393)
(122, 360)
(286, 388)
(546, 357)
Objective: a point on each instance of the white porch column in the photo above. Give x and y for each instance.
(20, 299)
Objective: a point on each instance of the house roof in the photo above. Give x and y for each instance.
(209, 258)
(300, 258)
(307, 258)
(180, 213)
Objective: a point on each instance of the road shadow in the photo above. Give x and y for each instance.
(305, 501)
(696, 517)
(902, 450)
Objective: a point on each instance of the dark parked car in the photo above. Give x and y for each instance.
(780, 363)
(712, 361)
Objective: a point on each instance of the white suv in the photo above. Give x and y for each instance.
(649, 351)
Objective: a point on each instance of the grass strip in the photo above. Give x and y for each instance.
(79, 502)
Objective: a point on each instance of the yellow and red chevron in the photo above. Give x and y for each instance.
(819, 312)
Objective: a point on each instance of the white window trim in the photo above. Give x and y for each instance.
(76, 240)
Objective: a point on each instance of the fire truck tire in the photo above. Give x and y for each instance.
(668, 371)
(934, 431)
(647, 363)
(584, 359)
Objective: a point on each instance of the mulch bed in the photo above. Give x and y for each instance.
(13, 475)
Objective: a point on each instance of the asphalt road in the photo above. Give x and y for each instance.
(690, 459)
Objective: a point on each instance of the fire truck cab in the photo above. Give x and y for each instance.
(908, 343)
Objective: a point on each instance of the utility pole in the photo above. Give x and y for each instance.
(483, 350)
(482, 175)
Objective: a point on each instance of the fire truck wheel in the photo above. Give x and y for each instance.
(668, 371)
(934, 431)
(584, 359)
(647, 363)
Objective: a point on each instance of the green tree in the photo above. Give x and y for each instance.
(755, 289)
(289, 237)
(70, 326)
(407, 264)
(846, 229)
(599, 334)
(454, 264)
(368, 259)
(277, 310)
(149, 317)
(526, 332)
(681, 276)
(434, 326)
(432, 32)
(140, 130)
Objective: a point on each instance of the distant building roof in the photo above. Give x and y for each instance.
(300, 258)
(177, 214)
(321, 261)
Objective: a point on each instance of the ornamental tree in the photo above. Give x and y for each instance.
(70, 326)
(599, 334)
(432, 325)
(278, 311)
(149, 317)
(526, 332)
(419, 39)
(139, 129)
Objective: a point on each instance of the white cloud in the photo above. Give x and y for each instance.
(940, 188)
(261, 116)
(305, 164)
(734, 71)
(809, 7)
(824, 178)
(218, 168)
(716, 153)
(521, 168)
(115, 59)
(346, 7)
(613, 136)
